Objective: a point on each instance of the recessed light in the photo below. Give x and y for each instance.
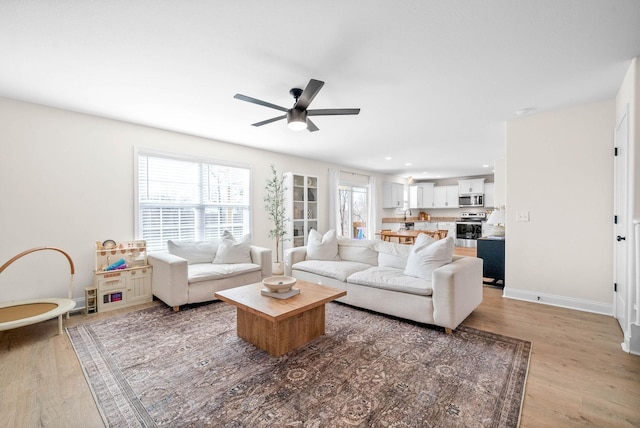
(408, 164)
(388, 158)
(485, 166)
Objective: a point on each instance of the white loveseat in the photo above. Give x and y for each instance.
(191, 272)
(432, 287)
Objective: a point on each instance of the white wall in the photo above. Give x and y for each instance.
(67, 180)
(500, 180)
(559, 169)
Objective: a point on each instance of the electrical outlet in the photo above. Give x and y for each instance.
(522, 215)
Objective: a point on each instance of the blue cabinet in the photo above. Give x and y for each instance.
(491, 251)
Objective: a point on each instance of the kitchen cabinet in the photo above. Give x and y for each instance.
(489, 193)
(301, 206)
(392, 226)
(473, 186)
(445, 196)
(449, 226)
(421, 196)
(392, 195)
(425, 225)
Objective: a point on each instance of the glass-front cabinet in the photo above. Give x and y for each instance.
(301, 198)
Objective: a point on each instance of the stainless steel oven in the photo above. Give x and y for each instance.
(469, 229)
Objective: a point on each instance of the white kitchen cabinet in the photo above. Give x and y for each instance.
(392, 226)
(445, 196)
(425, 225)
(421, 196)
(489, 195)
(449, 226)
(392, 195)
(301, 206)
(471, 186)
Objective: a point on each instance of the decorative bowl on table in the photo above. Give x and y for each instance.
(279, 284)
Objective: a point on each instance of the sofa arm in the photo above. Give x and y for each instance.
(262, 256)
(457, 291)
(293, 256)
(169, 278)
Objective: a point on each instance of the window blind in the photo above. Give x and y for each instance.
(184, 199)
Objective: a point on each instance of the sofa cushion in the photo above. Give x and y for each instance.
(389, 278)
(193, 251)
(322, 247)
(232, 251)
(357, 250)
(426, 256)
(339, 270)
(389, 260)
(210, 271)
(391, 254)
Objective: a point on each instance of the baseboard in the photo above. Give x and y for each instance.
(80, 304)
(631, 342)
(560, 301)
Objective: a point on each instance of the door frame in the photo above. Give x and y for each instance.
(621, 227)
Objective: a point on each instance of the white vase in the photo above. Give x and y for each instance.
(277, 268)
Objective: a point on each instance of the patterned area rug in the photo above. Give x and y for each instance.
(156, 367)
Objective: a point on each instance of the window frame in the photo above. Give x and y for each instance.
(201, 205)
(342, 187)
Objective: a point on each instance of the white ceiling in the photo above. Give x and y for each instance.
(436, 80)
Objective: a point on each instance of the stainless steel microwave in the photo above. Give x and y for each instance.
(471, 201)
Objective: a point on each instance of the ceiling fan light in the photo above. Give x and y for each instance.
(297, 119)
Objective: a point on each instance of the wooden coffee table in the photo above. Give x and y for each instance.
(280, 325)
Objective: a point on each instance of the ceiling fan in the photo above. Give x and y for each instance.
(297, 116)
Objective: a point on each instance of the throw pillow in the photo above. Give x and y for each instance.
(427, 256)
(193, 252)
(322, 247)
(232, 251)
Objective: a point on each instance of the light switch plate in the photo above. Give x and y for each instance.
(522, 215)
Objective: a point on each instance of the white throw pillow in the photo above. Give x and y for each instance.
(322, 247)
(193, 252)
(231, 251)
(427, 256)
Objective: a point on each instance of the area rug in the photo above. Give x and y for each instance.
(156, 367)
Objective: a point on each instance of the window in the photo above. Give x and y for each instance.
(185, 199)
(353, 212)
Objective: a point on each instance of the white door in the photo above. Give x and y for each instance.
(621, 223)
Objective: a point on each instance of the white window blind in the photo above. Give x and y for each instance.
(190, 200)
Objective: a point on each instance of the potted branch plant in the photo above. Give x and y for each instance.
(275, 208)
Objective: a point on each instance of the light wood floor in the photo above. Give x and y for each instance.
(578, 374)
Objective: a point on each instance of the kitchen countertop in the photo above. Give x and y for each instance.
(415, 219)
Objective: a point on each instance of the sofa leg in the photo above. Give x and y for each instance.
(176, 308)
(448, 330)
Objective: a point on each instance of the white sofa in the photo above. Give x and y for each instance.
(376, 276)
(191, 272)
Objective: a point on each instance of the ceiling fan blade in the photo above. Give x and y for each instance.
(257, 101)
(332, 111)
(265, 122)
(309, 93)
(311, 126)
